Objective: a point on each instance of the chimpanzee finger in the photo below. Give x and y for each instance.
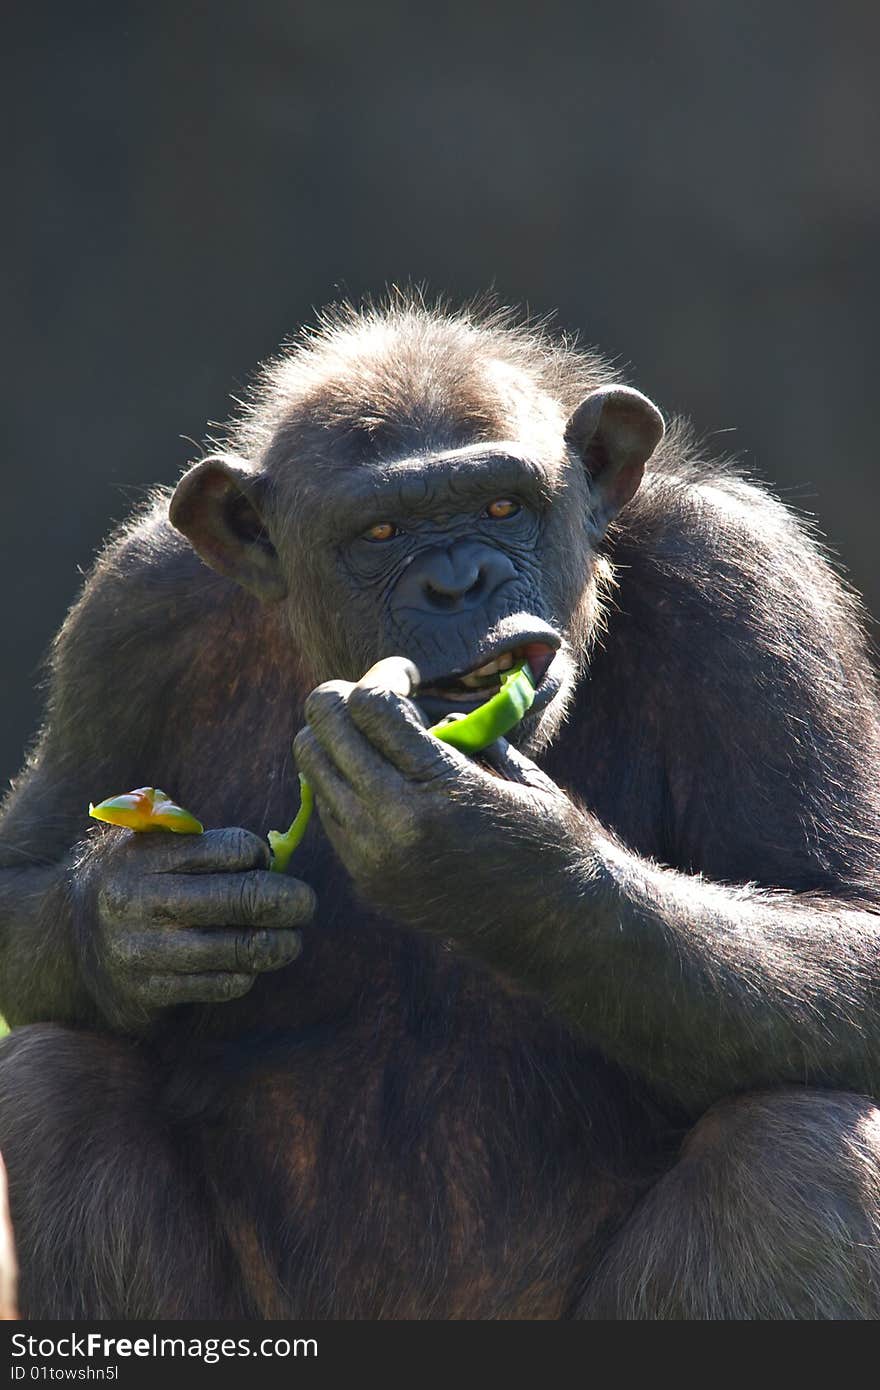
(333, 793)
(164, 991)
(392, 725)
(395, 673)
(255, 899)
(507, 762)
(329, 722)
(230, 850)
(191, 951)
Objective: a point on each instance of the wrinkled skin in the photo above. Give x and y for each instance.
(153, 903)
(386, 789)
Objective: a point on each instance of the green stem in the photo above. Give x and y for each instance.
(283, 845)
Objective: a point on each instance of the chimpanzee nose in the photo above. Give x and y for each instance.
(454, 577)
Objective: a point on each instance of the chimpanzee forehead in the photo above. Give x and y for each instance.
(426, 481)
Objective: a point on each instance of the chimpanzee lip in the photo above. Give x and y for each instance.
(451, 691)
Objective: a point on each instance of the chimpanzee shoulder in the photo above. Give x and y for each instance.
(153, 676)
(727, 719)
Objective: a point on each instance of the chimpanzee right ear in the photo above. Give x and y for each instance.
(217, 506)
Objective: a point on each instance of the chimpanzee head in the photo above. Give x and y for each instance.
(416, 482)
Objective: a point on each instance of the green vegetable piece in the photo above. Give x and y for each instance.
(282, 846)
(494, 718)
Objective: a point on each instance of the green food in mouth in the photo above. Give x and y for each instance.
(496, 717)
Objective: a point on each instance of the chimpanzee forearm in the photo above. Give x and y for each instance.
(40, 978)
(41, 846)
(702, 989)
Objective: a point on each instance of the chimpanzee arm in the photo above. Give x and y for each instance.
(104, 926)
(745, 660)
(737, 644)
(703, 989)
(40, 977)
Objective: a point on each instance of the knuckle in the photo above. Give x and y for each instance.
(234, 986)
(324, 700)
(434, 770)
(251, 950)
(368, 704)
(241, 846)
(303, 745)
(251, 902)
(265, 900)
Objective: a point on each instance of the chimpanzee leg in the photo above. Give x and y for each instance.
(772, 1212)
(111, 1218)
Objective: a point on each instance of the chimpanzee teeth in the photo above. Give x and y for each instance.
(501, 663)
(477, 681)
(491, 668)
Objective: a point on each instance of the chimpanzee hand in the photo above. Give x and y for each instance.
(171, 919)
(427, 834)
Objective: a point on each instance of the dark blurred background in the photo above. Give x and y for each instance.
(694, 184)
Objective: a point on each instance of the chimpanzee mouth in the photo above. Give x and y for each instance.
(472, 688)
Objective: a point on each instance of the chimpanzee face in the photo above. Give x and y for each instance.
(467, 559)
(441, 558)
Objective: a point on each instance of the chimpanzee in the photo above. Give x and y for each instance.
(583, 1028)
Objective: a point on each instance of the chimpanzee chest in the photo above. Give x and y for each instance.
(465, 1159)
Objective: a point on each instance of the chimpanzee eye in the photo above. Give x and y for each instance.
(382, 531)
(502, 508)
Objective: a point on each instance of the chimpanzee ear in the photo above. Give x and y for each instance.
(217, 507)
(615, 430)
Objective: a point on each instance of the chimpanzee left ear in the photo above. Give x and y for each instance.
(615, 430)
(217, 505)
